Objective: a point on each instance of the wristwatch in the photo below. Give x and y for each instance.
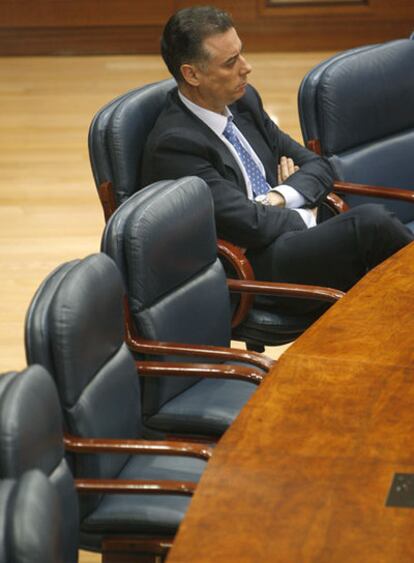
(263, 199)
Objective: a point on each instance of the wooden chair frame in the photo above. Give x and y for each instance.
(363, 189)
(132, 548)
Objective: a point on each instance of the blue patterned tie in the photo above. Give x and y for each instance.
(257, 180)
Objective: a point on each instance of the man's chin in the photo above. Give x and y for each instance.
(239, 93)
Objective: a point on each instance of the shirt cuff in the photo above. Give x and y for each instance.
(307, 217)
(292, 197)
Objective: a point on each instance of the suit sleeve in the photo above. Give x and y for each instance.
(315, 177)
(245, 223)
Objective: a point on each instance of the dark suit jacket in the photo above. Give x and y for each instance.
(180, 144)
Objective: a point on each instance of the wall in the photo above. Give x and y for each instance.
(134, 26)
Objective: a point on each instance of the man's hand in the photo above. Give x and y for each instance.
(275, 198)
(285, 168)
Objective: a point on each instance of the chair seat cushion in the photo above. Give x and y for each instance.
(143, 514)
(208, 407)
(410, 226)
(271, 327)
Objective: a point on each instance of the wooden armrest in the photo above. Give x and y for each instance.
(237, 258)
(364, 189)
(137, 487)
(146, 447)
(244, 271)
(286, 290)
(215, 371)
(374, 191)
(337, 204)
(154, 347)
(107, 198)
(113, 546)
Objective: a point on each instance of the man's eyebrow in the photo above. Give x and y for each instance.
(234, 57)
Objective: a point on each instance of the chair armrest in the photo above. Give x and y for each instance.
(374, 191)
(213, 371)
(364, 189)
(154, 347)
(134, 447)
(236, 257)
(337, 204)
(113, 546)
(286, 290)
(107, 199)
(136, 487)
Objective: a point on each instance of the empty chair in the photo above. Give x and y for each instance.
(31, 438)
(31, 520)
(89, 295)
(163, 241)
(75, 329)
(356, 108)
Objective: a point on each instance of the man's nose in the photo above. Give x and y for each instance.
(246, 68)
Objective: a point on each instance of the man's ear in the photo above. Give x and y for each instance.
(190, 74)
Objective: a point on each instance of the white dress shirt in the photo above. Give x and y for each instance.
(217, 123)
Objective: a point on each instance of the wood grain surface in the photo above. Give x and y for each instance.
(304, 472)
(35, 27)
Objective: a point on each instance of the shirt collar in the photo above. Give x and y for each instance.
(216, 121)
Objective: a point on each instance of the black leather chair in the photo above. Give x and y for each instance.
(96, 317)
(31, 520)
(163, 241)
(356, 108)
(31, 438)
(117, 137)
(74, 328)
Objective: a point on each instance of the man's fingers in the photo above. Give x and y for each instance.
(284, 169)
(287, 168)
(290, 166)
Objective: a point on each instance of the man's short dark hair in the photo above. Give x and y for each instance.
(184, 33)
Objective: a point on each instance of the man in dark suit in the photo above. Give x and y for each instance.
(266, 187)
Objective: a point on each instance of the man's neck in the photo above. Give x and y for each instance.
(194, 96)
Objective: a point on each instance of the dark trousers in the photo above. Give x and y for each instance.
(336, 253)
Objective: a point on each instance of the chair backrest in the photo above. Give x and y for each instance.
(31, 438)
(163, 240)
(75, 326)
(118, 134)
(30, 520)
(359, 105)
(308, 95)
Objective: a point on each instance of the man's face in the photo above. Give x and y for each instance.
(223, 77)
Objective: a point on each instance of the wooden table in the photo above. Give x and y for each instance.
(305, 471)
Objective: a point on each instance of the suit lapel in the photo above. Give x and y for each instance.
(234, 173)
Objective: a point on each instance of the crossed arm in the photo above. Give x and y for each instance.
(285, 168)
